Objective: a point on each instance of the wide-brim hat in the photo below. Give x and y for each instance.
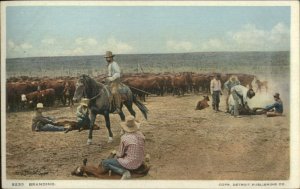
(276, 95)
(39, 105)
(84, 102)
(131, 125)
(108, 54)
(233, 78)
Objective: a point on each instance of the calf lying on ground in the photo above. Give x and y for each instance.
(72, 125)
(99, 172)
(202, 103)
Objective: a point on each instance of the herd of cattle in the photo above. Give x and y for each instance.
(60, 90)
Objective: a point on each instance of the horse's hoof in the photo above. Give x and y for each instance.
(89, 142)
(110, 140)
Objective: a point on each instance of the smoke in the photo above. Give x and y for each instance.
(265, 97)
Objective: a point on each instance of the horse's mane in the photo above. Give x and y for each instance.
(93, 87)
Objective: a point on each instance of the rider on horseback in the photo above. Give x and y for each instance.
(113, 79)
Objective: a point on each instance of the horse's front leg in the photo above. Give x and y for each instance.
(92, 122)
(107, 123)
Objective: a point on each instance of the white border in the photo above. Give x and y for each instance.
(293, 182)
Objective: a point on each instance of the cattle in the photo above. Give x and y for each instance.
(47, 97)
(58, 86)
(68, 92)
(181, 83)
(14, 92)
(246, 79)
(202, 103)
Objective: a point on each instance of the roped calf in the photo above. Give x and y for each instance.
(87, 170)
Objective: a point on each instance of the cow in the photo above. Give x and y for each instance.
(202, 103)
(68, 92)
(47, 97)
(72, 125)
(181, 83)
(99, 172)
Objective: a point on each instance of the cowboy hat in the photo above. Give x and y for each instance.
(84, 101)
(108, 54)
(131, 125)
(276, 95)
(39, 105)
(233, 78)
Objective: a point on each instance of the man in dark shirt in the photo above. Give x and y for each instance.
(275, 109)
(43, 123)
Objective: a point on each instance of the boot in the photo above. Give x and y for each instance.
(117, 102)
(126, 175)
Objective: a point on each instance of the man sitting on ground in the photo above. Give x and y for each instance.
(276, 108)
(43, 123)
(131, 150)
(82, 114)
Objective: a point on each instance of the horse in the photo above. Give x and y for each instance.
(100, 97)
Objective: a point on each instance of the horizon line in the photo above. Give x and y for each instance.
(144, 54)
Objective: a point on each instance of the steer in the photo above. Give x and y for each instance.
(202, 103)
(99, 172)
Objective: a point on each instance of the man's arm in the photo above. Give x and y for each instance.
(226, 85)
(211, 86)
(79, 113)
(121, 151)
(116, 70)
(270, 107)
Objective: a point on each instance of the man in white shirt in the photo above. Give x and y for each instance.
(240, 95)
(215, 90)
(114, 74)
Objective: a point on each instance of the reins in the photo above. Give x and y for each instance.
(94, 97)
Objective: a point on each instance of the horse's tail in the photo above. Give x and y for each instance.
(141, 106)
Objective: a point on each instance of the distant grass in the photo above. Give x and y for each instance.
(271, 63)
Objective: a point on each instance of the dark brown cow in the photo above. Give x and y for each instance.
(14, 92)
(47, 97)
(68, 92)
(58, 86)
(245, 79)
(72, 125)
(202, 103)
(179, 84)
(99, 172)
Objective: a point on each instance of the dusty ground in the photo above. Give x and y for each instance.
(183, 144)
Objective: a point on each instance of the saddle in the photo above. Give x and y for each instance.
(122, 90)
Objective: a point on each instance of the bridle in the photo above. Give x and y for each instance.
(84, 90)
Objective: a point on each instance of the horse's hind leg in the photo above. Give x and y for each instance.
(129, 107)
(121, 114)
(107, 123)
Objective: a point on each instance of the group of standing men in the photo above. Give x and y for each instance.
(237, 95)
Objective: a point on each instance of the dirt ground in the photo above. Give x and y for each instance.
(183, 144)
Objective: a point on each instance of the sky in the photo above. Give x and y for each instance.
(37, 31)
